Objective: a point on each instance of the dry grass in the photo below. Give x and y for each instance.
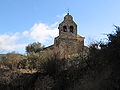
(27, 70)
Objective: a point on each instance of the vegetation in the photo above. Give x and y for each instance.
(11, 60)
(97, 70)
(34, 47)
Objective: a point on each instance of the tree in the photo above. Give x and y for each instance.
(34, 47)
(11, 60)
(114, 43)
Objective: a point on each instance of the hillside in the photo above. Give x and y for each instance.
(98, 70)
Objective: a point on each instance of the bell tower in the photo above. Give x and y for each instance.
(68, 27)
(68, 42)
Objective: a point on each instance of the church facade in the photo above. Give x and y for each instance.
(68, 42)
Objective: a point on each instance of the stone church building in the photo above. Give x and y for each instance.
(68, 42)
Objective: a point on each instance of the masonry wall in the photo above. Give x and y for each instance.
(68, 42)
(68, 46)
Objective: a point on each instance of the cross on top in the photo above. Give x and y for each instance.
(68, 10)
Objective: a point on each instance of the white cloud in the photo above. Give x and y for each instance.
(41, 32)
(8, 42)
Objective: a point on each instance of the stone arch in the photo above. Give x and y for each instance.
(71, 29)
(64, 28)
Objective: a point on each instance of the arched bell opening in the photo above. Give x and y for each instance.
(64, 29)
(71, 29)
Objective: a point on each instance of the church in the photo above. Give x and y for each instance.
(68, 42)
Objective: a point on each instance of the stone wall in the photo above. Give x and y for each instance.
(68, 42)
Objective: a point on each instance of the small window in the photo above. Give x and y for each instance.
(71, 29)
(64, 28)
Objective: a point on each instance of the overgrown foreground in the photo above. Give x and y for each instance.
(99, 70)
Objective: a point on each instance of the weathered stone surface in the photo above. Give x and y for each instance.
(68, 42)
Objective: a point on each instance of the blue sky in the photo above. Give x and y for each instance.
(26, 21)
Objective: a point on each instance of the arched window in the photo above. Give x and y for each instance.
(71, 29)
(64, 28)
